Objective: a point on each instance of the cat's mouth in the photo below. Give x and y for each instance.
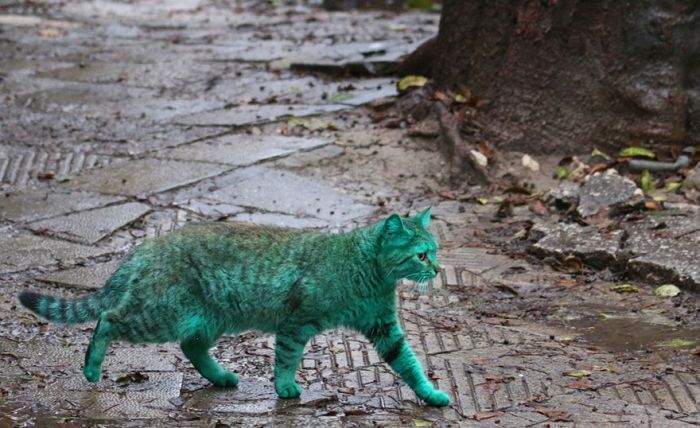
(421, 277)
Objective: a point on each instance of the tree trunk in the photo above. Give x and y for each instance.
(567, 75)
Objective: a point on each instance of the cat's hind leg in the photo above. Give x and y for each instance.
(104, 333)
(195, 345)
(289, 349)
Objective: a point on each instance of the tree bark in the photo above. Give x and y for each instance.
(567, 75)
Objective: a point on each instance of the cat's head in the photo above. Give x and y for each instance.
(407, 249)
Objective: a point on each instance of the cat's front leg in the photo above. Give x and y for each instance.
(289, 349)
(388, 338)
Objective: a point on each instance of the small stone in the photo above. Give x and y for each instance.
(608, 190)
(530, 163)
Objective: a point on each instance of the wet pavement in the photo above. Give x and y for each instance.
(123, 121)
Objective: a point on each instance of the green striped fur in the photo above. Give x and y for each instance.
(206, 280)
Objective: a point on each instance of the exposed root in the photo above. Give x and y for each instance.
(458, 152)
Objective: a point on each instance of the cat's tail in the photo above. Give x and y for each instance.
(87, 308)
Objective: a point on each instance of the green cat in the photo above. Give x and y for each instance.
(206, 280)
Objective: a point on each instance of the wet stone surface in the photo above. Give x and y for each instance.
(117, 127)
(239, 150)
(285, 192)
(144, 176)
(23, 251)
(665, 249)
(40, 203)
(254, 114)
(91, 226)
(586, 242)
(89, 277)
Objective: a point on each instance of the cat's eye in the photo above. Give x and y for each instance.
(422, 256)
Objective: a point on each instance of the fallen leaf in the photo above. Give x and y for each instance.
(312, 124)
(486, 415)
(459, 98)
(479, 158)
(598, 153)
(625, 288)
(447, 195)
(129, 378)
(422, 423)
(539, 208)
(676, 343)
(342, 96)
(567, 283)
(485, 150)
(412, 82)
(52, 32)
(530, 163)
(482, 201)
(440, 96)
(670, 187)
(572, 264)
(578, 384)
(494, 377)
(651, 205)
(540, 398)
(647, 183)
(577, 373)
(562, 173)
(521, 234)
(636, 152)
(554, 415)
(667, 290)
(608, 368)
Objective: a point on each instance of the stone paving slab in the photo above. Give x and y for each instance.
(88, 277)
(284, 192)
(585, 242)
(254, 114)
(40, 203)
(91, 226)
(242, 149)
(282, 220)
(360, 58)
(22, 166)
(144, 176)
(22, 252)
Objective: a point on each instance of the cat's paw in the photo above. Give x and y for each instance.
(92, 374)
(288, 389)
(225, 380)
(436, 398)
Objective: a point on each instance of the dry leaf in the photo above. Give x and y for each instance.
(539, 208)
(52, 32)
(577, 373)
(554, 415)
(486, 415)
(578, 384)
(572, 264)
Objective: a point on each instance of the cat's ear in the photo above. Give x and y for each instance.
(394, 225)
(423, 217)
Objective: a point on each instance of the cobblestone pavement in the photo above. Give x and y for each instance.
(124, 120)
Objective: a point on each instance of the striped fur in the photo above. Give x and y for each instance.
(55, 309)
(206, 280)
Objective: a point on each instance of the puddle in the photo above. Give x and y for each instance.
(618, 331)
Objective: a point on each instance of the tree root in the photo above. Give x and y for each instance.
(463, 166)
